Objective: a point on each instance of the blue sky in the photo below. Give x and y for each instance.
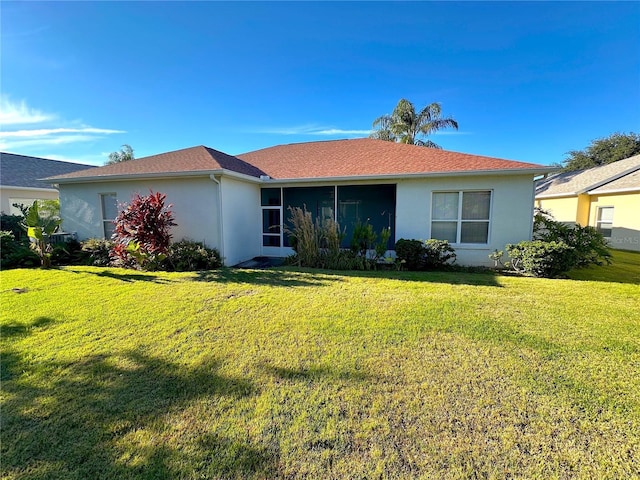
(525, 81)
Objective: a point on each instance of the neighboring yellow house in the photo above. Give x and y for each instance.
(606, 197)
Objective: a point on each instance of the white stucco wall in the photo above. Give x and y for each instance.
(242, 222)
(26, 196)
(511, 211)
(197, 212)
(194, 201)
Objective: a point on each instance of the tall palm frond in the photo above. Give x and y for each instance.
(404, 125)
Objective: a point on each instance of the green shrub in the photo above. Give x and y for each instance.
(411, 253)
(16, 253)
(540, 259)
(363, 239)
(69, 252)
(438, 253)
(588, 246)
(429, 255)
(189, 256)
(12, 223)
(98, 251)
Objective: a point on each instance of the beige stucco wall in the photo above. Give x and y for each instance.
(626, 218)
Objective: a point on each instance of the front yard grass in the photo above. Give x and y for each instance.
(285, 373)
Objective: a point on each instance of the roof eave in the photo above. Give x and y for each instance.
(151, 176)
(35, 189)
(556, 195)
(404, 176)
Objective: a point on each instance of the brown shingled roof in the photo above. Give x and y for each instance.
(368, 157)
(194, 159)
(312, 160)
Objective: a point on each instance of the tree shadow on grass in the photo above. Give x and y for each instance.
(109, 416)
(481, 277)
(273, 277)
(9, 358)
(128, 277)
(15, 329)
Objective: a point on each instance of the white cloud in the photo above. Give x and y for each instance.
(42, 141)
(51, 130)
(19, 113)
(54, 131)
(312, 130)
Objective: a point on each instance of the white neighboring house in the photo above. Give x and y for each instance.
(239, 204)
(21, 179)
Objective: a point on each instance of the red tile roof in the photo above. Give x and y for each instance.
(362, 157)
(368, 157)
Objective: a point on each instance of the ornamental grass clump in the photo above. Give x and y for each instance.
(304, 237)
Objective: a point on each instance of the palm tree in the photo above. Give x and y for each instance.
(404, 125)
(124, 155)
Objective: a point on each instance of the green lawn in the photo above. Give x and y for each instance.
(113, 374)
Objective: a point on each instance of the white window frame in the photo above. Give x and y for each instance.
(599, 221)
(280, 234)
(459, 221)
(105, 220)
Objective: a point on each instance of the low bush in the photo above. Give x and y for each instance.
(16, 253)
(540, 259)
(431, 254)
(438, 253)
(98, 251)
(69, 252)
(588, 246)
(12, 223)
(410, 253)
(189, 256)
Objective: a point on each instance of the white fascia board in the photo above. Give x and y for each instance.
(33, 189)
(153, 176)
(408, 176)
(557, 195)
(272, 181)
(614, 190)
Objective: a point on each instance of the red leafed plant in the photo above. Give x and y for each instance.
(141, 237)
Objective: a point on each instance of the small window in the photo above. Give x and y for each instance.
(109, 204)
(604, 222)
(270, 197)
(461, 217)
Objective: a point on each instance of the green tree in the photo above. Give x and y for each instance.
(404, 125)
(603, 151)
(123, 155)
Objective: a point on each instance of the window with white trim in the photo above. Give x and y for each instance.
(461, 217)
(604, 221)
(109, 206)
(271, 201)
